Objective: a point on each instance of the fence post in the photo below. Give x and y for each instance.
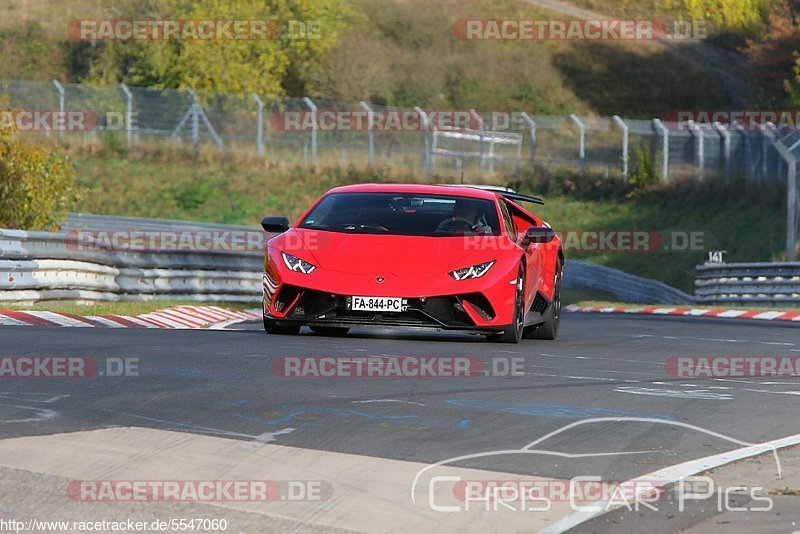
(128, 112)
(582, 142)
(697, 132)
(314, 128)
(370, 132)
(791, 209)
(195, 122)
(477, 118)
(726, 149)
(60, 89)
(532, 126)
(260, 125)
(426, 158)
(664, 131)
(624, 127)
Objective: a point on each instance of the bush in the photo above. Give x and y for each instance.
(37, 185)
(643, 173)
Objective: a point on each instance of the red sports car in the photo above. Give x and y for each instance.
(449, 257)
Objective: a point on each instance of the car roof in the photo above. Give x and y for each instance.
(451, 190)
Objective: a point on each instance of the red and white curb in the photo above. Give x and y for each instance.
(178, 318)
(692, 312)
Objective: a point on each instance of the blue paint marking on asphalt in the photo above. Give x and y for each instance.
(541, 409)
(240, 402)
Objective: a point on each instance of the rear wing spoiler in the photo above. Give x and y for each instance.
(506, 192)
(519, 197)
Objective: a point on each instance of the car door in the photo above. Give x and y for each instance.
(517, 223)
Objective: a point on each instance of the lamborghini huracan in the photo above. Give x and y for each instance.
(465, 258)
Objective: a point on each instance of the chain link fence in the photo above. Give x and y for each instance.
(443, 142)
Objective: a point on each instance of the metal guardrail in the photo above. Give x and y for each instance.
(623, 286)
(43, 266)
(771, 284)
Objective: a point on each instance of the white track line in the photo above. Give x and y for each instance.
(672, 475)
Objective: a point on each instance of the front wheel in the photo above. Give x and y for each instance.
(274, 328)
(549, 329)
(513, 334)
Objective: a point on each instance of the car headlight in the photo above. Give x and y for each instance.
(297, 265)
(475, 271)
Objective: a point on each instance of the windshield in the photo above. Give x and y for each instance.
(404, 214)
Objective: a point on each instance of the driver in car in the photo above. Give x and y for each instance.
(468, 216)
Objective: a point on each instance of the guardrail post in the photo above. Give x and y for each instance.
(426, 135)
(260, 125)
(370, 132)
(664, 131)
(128, 112)
(532, 127)
(60, 89)
(726, 149)
(624, 127)
(582, 141)
(697, 132)
(314, 128)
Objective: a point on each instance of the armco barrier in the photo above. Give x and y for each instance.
(623, 286)
(764, 284)
(41, 266)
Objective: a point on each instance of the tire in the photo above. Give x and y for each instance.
(272, 327)
(332, 331)
(549, 329)
(513, 334)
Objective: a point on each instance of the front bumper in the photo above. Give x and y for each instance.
(302, 306)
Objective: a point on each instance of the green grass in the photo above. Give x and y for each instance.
(122, 308)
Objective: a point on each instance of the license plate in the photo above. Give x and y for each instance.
(377, 304)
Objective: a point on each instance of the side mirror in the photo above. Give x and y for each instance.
(276, 225)
(538, 234)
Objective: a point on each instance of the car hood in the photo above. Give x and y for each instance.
(393, 254)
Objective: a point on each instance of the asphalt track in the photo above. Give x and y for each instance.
(221, 383)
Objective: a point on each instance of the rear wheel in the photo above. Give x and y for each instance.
(549, 328)
(273, 327)
(330, 330)
(513, 334)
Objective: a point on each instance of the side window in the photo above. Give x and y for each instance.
(509, 221)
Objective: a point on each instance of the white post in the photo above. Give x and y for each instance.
(624, 127)
(582, 142)
(260, 126)
(726, 148)
(128, 112)
(701, 156)
(314, 127)
(664, 148)
(426, 159)
(60, 89)
(370, 132)
(532, 126)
